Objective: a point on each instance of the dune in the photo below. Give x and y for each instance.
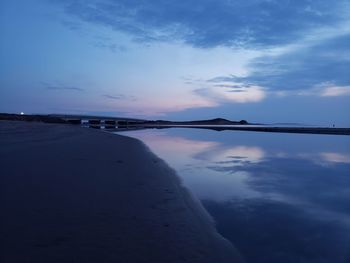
(72, 194)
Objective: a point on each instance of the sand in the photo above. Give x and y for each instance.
(72, 194)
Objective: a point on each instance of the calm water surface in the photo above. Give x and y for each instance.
(276, 197)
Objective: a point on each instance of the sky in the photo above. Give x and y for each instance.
(269, 61)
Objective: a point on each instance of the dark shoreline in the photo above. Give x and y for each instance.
(303, 130)
(215, 124)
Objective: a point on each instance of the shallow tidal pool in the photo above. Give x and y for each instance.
(277, 197)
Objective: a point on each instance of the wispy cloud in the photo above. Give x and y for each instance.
(109, 46)
(326, 89)
(302, 71)
(107, 43)
(119, 97)
(221, 90)
(335, 91)
(63, 88)
(227, 95)
(72, 25)
(210, 23)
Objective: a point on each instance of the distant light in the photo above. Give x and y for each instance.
(22, 113)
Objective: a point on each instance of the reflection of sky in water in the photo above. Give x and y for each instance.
(277, 197)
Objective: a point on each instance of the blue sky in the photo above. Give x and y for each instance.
(260, 60)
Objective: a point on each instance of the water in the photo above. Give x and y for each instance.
(276, 197)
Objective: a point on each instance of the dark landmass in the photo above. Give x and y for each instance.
(309, 130)
(218, 124)
(33, 118)
(217, 121)
(76, 119)
(64, 118)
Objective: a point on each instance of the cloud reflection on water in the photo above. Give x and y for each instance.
(193, 158)
(335, 157)
(278, 198)
(239, 155)
(218, 170)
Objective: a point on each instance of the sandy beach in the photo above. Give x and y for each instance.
(72, 194)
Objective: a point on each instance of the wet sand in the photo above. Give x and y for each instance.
(71, 194)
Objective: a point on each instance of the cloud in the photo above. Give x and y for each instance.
(319, 69)
(236, 95)
(303, 43)
(224, 90)
(321, 90)
(69, 88)
(210, 23)
(119, 97)
(72, 25)
(108, 44)
(335, 91)
(111, 47)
